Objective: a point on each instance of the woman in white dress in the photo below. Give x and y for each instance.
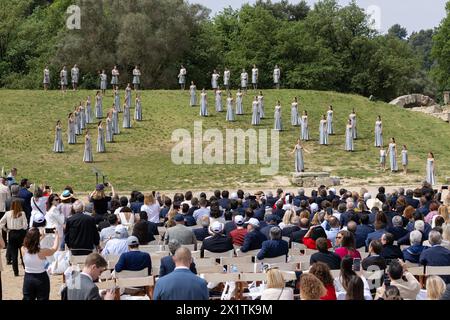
(255, 74)
(109, 127)
(182, 77)
(215, 80)
(261, 105)
(349, 136)
(294, 113)
(218, 99)
(193, 94)
(323, 131)
(392, 153)
(117, 99)
(63, 78)
(46, 78)
(353, 119)
(82, 116)
(203, 104)
(58, 146)
(382, 159)
(239, 105)
(100, 137)
(98, 105)
(405, 160)
(226, 79)
(103, 81)
(431, 169)
(115, 76)
(151, 206)
(255, 112)
(230, 111)
(136, 78)
(278, 125)
(128, 95)
(276, 77)
(126, 218)
(88, 110)
(71, 136)
(330, 128)
(304, 126)
(378, 132)
(299, 162)
(138, 108)
(244, 80)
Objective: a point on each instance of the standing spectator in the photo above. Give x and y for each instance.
(181, 284)
(134, 259)
(26, 196)
(254, 238)
(151, 206)
(11, 178)
(168, 262)
(36, 283)
(311, 288)
(54, 217)
(331, 259)
(86, 289)
(4, 196)
(275, 247)
(100, 201)
(238, 234)
(276, 287)
(437, 255)
(408, 286)
(180, 232)
(15, 223)
(203, 232)
(38, 204)
(81, 234)
(322, 272)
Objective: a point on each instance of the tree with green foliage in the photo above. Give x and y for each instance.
(441, 53)
(398, 31)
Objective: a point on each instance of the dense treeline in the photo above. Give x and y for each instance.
(326, 47)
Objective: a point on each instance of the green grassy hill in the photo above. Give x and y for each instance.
(141, 157)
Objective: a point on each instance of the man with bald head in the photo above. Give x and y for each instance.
(181, 283)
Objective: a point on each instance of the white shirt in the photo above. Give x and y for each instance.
(152, 212)
(116, 247)
(341, 293)
(4, 195)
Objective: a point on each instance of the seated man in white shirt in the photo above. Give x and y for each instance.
(117, 245)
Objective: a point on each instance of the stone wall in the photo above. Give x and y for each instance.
(314, 179)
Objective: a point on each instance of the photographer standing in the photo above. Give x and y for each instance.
(100, 201)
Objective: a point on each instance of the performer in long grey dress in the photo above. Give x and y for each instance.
(276, 76)
(128, 95)
(218, 99)
(255, 74)
(98, 105)
(138, 108)
(46, 80)
(100, 137)
(261, 105)
(215, 80)
(193, 94)
(88, 156)
(382, 159)
(103, 81)
(182, 77)
(63, 78)
(75, 75)
(226, 79)
(126, 117)
(353, 118)
(405, 159)
(82, 116)
(431, 169)
(244, 80)
(109, 128)
(58, 146)
(304, 126)
(115, 119)
(255, 112)
(77, 122)
(136, 78)
(117, 99)
(294, 113)
(88, 110)
(392, 153)
(330, 112)
(115, 76)
(323, 131)
(203, 104)
(71, 136)
(239, 103)
(349, 136)
(230, 111)
(298, 151)
(378, 132)
(278, 125)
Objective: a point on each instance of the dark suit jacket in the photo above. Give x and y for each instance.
(259, 213)
(297, 236)
(272, 249)
(26, 196)
(436, 256)
(270, 201)
(377, 260)
(362, 231)
(181, 284)
(412, 253)
(168, 265)
(346, 217)
(201, 233)
(391, 252)
(265, 230)
(81, 232)
(134, 261)
(376, 235)
(279, 213)
(330, 258)
(398, 232)
(253, 240)
(287, 231)
(412, 202)
(217, 243)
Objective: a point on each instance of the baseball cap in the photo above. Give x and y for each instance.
(253, 222)
(217, 227)
(333, 190)
(179, 217)
(100, 187)
(314, 207)
(120, 229)
(131, 241)
(239, 220)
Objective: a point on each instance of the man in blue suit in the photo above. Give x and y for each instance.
(363, 230)
(410, 199)
(380, 229)
(181, 284)
(274, 247)
(254, 238)
(437, 255)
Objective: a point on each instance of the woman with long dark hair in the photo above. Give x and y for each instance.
(346, 241)
(343, 282)
(36, 283)
(355, 290)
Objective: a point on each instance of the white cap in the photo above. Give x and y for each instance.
(314, 207)
(234, 196)
(217, 227)
(253, 222)
(332, 190)
(239, 220)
